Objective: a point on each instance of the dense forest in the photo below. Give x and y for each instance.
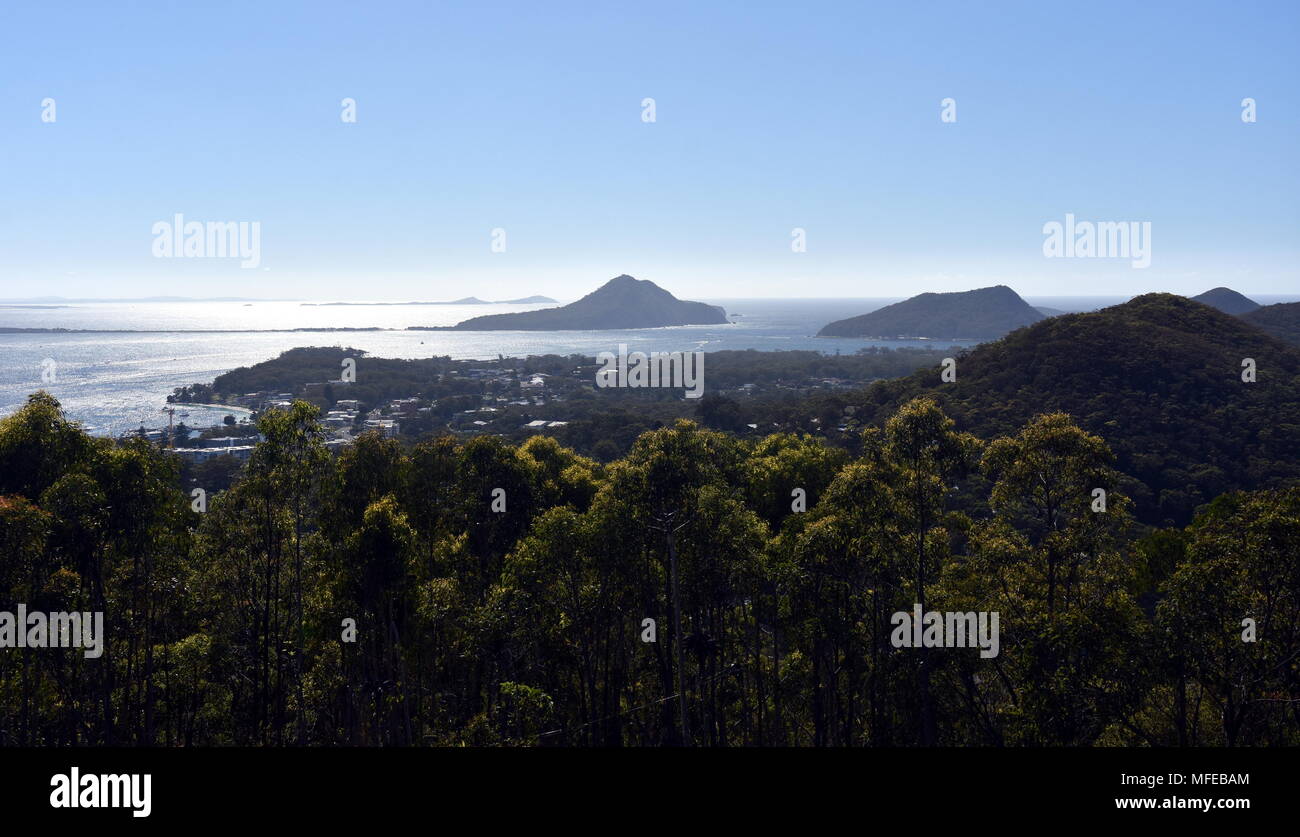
(477, 592)
(1281, 320)
(1162, 378)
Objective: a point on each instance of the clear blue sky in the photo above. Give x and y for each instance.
(527, 117)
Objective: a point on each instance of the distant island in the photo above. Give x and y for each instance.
(1227, 300)
(622, 302)
(469, 300)
(984, 312)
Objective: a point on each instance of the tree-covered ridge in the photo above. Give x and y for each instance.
(1159, 377)
(498, 593)
(1281, 320)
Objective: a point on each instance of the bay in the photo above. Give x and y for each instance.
(116, 375)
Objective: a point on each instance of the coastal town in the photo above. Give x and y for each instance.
(345, 418)
(510, 397)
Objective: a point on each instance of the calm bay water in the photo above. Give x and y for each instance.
(117, 377)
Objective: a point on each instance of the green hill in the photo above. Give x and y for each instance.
(1281, 320)
(1159, 377)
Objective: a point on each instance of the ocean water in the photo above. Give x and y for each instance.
(117, 376)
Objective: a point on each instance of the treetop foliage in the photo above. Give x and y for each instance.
(478, 592)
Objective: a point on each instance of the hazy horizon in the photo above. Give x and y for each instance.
(1270, 298)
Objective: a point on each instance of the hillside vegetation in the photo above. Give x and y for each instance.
(1281, 320)
(1159, 377)
(487, 594)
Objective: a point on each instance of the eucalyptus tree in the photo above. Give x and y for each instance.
(1232, 607)
(1051, 561)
